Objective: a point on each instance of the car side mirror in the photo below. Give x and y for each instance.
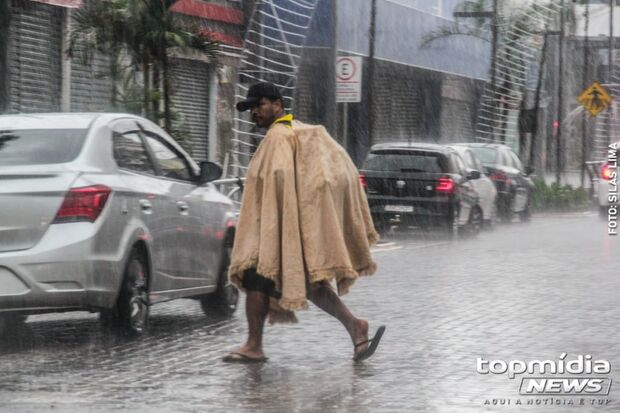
(209, 171)
(473, 174)
(529, 170)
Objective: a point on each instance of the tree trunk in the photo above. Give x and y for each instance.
(539, 83)
(147, 87)
(165, 65)
(155, 101)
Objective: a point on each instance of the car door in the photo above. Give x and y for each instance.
(467, 193)
(483, 186)
(522, 187)
(143, 192)
(184, 205)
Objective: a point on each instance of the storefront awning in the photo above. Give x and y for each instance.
(204, 10)
(74, 4)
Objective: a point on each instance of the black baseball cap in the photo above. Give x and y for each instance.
(256, 92)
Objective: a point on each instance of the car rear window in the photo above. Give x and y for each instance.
(40, 146)
(406, 161)
(487, 156)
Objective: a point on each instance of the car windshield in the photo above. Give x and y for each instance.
(487, 156)
(406, 161)
(40, 146)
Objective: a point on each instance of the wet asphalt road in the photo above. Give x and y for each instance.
(524, 292)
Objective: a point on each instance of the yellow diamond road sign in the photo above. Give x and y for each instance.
(595, 99)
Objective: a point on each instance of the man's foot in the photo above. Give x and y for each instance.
(370, 346)
(233, 357)
(359, 334)
(245, 354)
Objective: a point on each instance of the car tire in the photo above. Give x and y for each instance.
(381, 225)
(526, 214)
(11, 323)
(505, 212)
(131, 312)
(475, 222)
(452, 223)
(224, 300)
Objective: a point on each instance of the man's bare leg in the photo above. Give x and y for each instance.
(324, 297)
(256, 309)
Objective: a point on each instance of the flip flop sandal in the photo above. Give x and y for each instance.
(242, 358)
(373, 343)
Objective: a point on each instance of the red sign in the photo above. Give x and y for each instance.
(202, 9)
(74, 4)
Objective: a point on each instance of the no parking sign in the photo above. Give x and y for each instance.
(349, 79)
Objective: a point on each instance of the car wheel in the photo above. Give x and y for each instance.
(132, 306)
(475, 222)
(525, 215)
(224, 300)
(10, 323)
(505, 211)
(381, 224)
(452, 223)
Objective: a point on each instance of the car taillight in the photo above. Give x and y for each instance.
(500, 177)
(363, 181)
(605, 172)
(445, 185)
(83, 204)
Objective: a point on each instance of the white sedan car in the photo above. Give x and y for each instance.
(485, 188)
(107, 213)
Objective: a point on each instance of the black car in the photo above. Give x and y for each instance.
(512, 181)
(420, 184)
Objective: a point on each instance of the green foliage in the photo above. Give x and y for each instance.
(558, 198)
(140, 36)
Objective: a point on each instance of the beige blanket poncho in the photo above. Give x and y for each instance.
(304, 217)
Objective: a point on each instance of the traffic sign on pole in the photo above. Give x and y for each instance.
(349, 79)
(595, 99)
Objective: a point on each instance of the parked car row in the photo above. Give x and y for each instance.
(460, 187)
(107, 213)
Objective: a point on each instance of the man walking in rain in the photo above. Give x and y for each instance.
(304, 222)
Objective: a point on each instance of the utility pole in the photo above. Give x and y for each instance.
(558, 143)
(332, 114)
(5, 19)
(371, 71)
(539, 84)
(494, 45)
(586, 67)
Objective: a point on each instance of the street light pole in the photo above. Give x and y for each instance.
(495, 39)
(558, 143)
(332, 114)
(5, 18)
(586, 59)
(371, 71)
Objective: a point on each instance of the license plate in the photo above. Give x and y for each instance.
(398, 208)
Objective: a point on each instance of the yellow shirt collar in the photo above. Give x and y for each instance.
(284, 119)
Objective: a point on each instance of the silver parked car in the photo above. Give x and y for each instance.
(484, 187)
(107, 213)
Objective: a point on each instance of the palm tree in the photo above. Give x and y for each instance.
(143, 33)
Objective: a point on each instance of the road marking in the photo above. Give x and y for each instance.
(386, 249)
